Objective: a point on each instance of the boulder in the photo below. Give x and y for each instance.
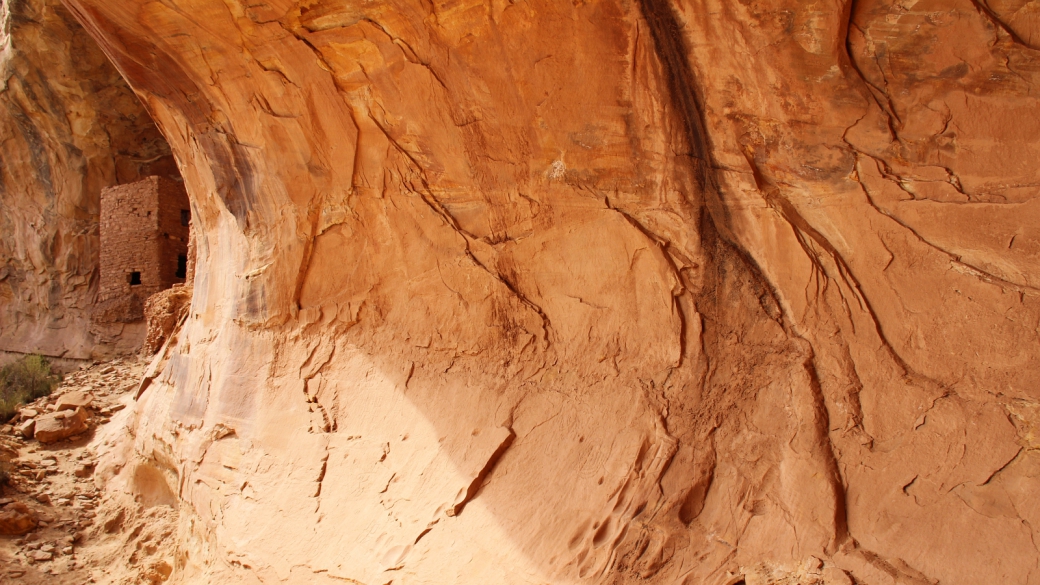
(16, 518)
(73, 400)
(27, 428)
(60, 425)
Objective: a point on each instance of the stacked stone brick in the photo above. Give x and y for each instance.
(144, 244)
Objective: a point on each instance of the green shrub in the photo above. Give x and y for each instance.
(23, 381)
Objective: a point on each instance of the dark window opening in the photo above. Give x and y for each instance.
(135, 278)
(182, 266)
(185, 217)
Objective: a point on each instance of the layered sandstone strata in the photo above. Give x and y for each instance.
(69, 126)
(671, 291)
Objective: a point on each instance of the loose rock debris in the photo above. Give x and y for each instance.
(56, 525)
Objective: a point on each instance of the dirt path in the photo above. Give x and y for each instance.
(83, 535)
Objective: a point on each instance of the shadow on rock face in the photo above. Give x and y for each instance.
(151, 488)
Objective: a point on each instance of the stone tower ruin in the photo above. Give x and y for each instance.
(144, 242)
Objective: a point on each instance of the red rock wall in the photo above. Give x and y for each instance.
(69, 126)
(671, 291)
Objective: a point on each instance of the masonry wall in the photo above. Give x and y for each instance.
(173, 233)
(141, 231)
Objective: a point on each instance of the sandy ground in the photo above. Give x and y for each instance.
(85, 534)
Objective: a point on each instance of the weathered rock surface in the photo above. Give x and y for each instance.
(163, 312)
(668, 292)
(69, 126)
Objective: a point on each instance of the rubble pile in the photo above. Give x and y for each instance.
(50, 505)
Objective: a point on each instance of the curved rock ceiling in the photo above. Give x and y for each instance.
(668, 291)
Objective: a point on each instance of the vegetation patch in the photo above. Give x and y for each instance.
(23, 381)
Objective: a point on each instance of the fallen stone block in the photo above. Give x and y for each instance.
(40, 556)
(110, 410)
(84, 470)
(60, 425)
(16, 518)
(27, 428)
(73, 400)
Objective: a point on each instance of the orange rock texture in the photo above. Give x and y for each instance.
(666, 291)
(69, 126)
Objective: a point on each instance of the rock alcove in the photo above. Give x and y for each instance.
(670, 291)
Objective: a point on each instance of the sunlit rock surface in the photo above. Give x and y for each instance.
(593, 291)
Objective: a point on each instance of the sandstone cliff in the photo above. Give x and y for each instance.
(69, 126)
(679, 291)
